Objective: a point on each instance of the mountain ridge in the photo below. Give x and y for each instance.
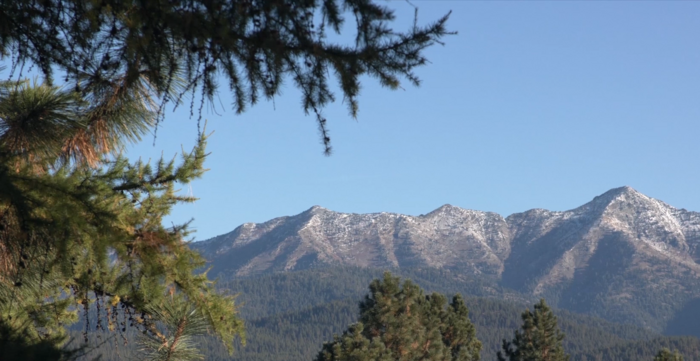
(447, 216)
(609, 256)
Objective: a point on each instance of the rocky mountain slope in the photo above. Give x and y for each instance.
(448, 237)
(623, 255)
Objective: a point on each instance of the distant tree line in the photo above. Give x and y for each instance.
(325, 305)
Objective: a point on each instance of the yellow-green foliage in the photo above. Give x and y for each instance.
(76, 236)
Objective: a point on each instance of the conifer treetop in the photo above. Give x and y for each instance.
(666, 355)
(399, 322)
(539, 338)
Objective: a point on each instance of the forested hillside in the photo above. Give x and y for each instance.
(622, 256)
(290, 315)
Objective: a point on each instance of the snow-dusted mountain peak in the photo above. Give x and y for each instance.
(581, 256)
(317, 209)
(446, 209)
(612, 200)
(624, 190)
(624, 194)
(454, 237)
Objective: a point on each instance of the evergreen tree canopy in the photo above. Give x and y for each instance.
(81, 227)
(538, 340)
(75, 238)
(666, 355)
(167, 49)
(398, 322)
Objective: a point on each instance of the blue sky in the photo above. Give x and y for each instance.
(534, 104)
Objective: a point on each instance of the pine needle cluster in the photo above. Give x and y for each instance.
(182, 323)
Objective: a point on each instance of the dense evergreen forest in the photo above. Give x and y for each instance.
(290, 315)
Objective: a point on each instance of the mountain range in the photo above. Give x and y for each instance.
(622, 256)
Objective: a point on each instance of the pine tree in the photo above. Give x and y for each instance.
(398, 322)
(539, 339)
(80, 226)
(77, 238)
(666, 355)
(168, 49)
